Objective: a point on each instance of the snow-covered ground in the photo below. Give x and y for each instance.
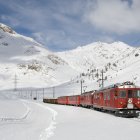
(25, 120)
(30, 120)
(75, 123)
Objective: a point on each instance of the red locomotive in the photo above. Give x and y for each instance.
(120, 99)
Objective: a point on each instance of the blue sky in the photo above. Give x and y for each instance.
(65, 24)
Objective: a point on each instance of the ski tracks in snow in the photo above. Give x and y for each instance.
(20, 118)
(31, 115)
(49, 131)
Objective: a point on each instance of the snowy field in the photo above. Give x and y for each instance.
(75, 123)
(25, 120)
(28, 120)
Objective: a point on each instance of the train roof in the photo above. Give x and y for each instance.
(127, 84)
(88, 92)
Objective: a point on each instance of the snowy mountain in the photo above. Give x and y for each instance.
(33, 64)
(118, 61)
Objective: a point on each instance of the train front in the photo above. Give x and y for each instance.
(128, 100)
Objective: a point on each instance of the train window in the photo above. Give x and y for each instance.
(108, 96)
(137, 94)
(104, 96)
(122, 94)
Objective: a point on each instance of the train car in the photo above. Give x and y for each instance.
(98, 100)
(122, 99)
(74, 100)
(63, 100)
(51, 101)
(86, 99)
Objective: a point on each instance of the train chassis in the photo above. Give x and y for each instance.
(129, 113)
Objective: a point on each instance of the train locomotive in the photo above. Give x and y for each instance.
(121, 99)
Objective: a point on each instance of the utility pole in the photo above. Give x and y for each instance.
(31, 94)
(82, 81)
(15, 83)
(53, 92)
(19, 94)
(43, 93)
(36, 95)
(27, 94)
(102, 79)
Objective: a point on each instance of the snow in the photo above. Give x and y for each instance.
(33, 64)
(26, 120)
(42, 73)
(80, 123)
(118, 61)
(37, 67)
(33, 120)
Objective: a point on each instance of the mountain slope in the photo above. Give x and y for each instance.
(33, 65)
(119, 62)
(96, 54)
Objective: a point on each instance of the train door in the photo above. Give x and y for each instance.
(115, 99)
(78, 100)
(101, 99)
(130, 99)
(112, 98)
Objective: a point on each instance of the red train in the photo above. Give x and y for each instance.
(120, 99)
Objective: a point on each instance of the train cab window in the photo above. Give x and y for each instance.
(122, 94)
(137, 94)
(130, 94)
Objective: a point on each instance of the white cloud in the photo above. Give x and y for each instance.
(115, 16)
(65, 24)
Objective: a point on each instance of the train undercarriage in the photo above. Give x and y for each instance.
(129, 113)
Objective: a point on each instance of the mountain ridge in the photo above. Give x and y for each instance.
(35, 66)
